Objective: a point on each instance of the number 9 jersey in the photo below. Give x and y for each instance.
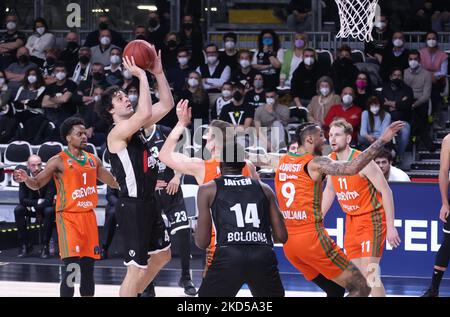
(299, 197)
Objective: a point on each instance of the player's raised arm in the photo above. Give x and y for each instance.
(177, 161)
(323, 165)
(205, 197)
(443, 178)
(35, 183)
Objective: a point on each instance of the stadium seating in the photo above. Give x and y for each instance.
(49, 149)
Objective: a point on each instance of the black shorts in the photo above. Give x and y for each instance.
(257, 266)
(143, 229)
(174, 209)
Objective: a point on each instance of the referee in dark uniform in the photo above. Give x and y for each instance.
(245, 215)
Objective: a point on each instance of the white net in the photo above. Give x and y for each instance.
(357, 18)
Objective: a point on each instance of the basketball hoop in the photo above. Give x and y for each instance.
(357, 18)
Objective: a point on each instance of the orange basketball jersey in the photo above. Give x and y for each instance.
(77, 185)
(299, 197)
(356, 194)
(212, 170)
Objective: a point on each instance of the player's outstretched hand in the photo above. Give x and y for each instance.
(443, 214)
(173, 186)
(20, 175)
(131, 66)
(393, 238)
(392, 130)
(157, 67)
(184, 112)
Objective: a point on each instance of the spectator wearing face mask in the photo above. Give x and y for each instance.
(343, 70)
(397, 98)
(5, 95)
(93, 38)
(382, 35)
(346, 110)
(113, 72)
(244, 73)
(435, 60)
(323, 101)
(40, 41)
(374, 121)
(128, 80)
(395, 56)
(70, 54)
(237, 112)
(156, 31)
(197, 96)
(178, 74)
(102, 52)
(10, 41)
(15, 72)
(85, 92)
(214, 72)
(363, 90)
(170, 50)
(51, 56)
(192, 39)
(225, 99)
(96, 127)
(229, 56)
(256, 97)
(140, 33)
(267, 59)
(304, 79)
(292, 58)
(83, 68)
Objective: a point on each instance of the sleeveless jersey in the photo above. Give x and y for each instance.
(155, 143)
(240, 212)
(136, 170)
(76, 187)
(212, 170)
(356, 194)
(299, 197)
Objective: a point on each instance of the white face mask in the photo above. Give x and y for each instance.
(244, 63)
(105, 40)
(431, 43)
(96, 98)
(380, 25)
(309, 61)
(40, 30)
(2, 81)
(347, 100)
(183, 61)
(229, 45)
(211, 59)
(413, 64)
(32, 79)
(127, 74)
(133, 98)
(375, 109)
(270, 101)
(226, 93)
(60, 76)
(324, 91)
(193, 82)
(397, 42)
(11, 25)
(115, 59)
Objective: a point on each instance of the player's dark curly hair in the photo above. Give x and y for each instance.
(68, 124)
(304, 130)
(104, 105)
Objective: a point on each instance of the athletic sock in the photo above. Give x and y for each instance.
(436, 279)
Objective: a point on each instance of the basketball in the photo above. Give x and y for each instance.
(142, 53)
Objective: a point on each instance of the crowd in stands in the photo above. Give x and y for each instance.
(41, 85)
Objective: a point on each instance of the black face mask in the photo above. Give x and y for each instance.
(188, 26)
(152, 23)
(50, 60)
(172, 44)
(140, 37)
(84, 59)
(97, 76)
(237, 96)
(103, 26)
(397, 83)
(345, 61)
(23, 59)
(72, 46)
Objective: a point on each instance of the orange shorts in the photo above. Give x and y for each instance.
(77, 234)
(365, 235)
(314, 252)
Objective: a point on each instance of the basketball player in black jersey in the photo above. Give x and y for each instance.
(169, 199)
(136, 171)
(245, 214)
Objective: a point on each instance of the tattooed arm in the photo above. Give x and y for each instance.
(324, 165)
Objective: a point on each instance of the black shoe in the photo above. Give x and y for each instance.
(45, 253)
(188, 285)
(25, 251)
(431, 293)
(149, 291)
